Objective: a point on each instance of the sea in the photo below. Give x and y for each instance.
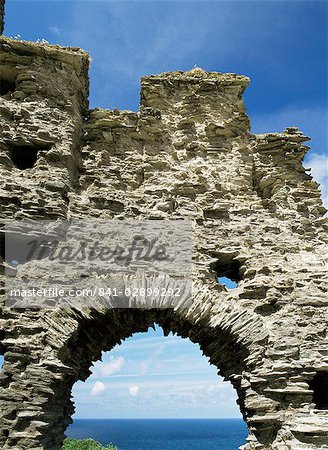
(163, 434)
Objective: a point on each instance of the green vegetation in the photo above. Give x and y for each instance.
(85, 444)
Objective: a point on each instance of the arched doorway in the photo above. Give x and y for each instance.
(168, 384)
(104, 331)
(77, 338)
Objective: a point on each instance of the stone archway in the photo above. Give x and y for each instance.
(36, 387)
(230, 361)
(44, 385)
(188, 154)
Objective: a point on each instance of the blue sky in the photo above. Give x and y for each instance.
(282, 47)
(154, 376)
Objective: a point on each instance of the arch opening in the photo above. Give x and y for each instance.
(164, 378)
(91, 332)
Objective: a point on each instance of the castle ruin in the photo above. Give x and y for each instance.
(187, 154)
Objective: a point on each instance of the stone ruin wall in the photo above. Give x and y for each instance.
(2, 15)
(187, 154)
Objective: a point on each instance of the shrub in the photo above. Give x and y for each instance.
(85, 444)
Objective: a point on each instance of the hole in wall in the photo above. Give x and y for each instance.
(2, 362)
(7, 87)
(23, 157)
(228, 270)
(152, 377)
(227, 282)
(12, 248)
(319, 386)
(17, 248)
(7, 80)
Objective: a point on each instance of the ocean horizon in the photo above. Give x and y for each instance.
(162, 434)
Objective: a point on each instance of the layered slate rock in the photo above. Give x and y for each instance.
(2, 15)
(188, 154)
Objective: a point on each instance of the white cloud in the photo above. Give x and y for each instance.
(115, 365)
(134, 390)
(312, 122)
(125, 46)
(318, 163)
(98, 388)
(54, 29)
(212, 388)
(148, 342)
(150, 363)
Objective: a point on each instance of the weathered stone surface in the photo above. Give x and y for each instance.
(2, 15)
(187, 154)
